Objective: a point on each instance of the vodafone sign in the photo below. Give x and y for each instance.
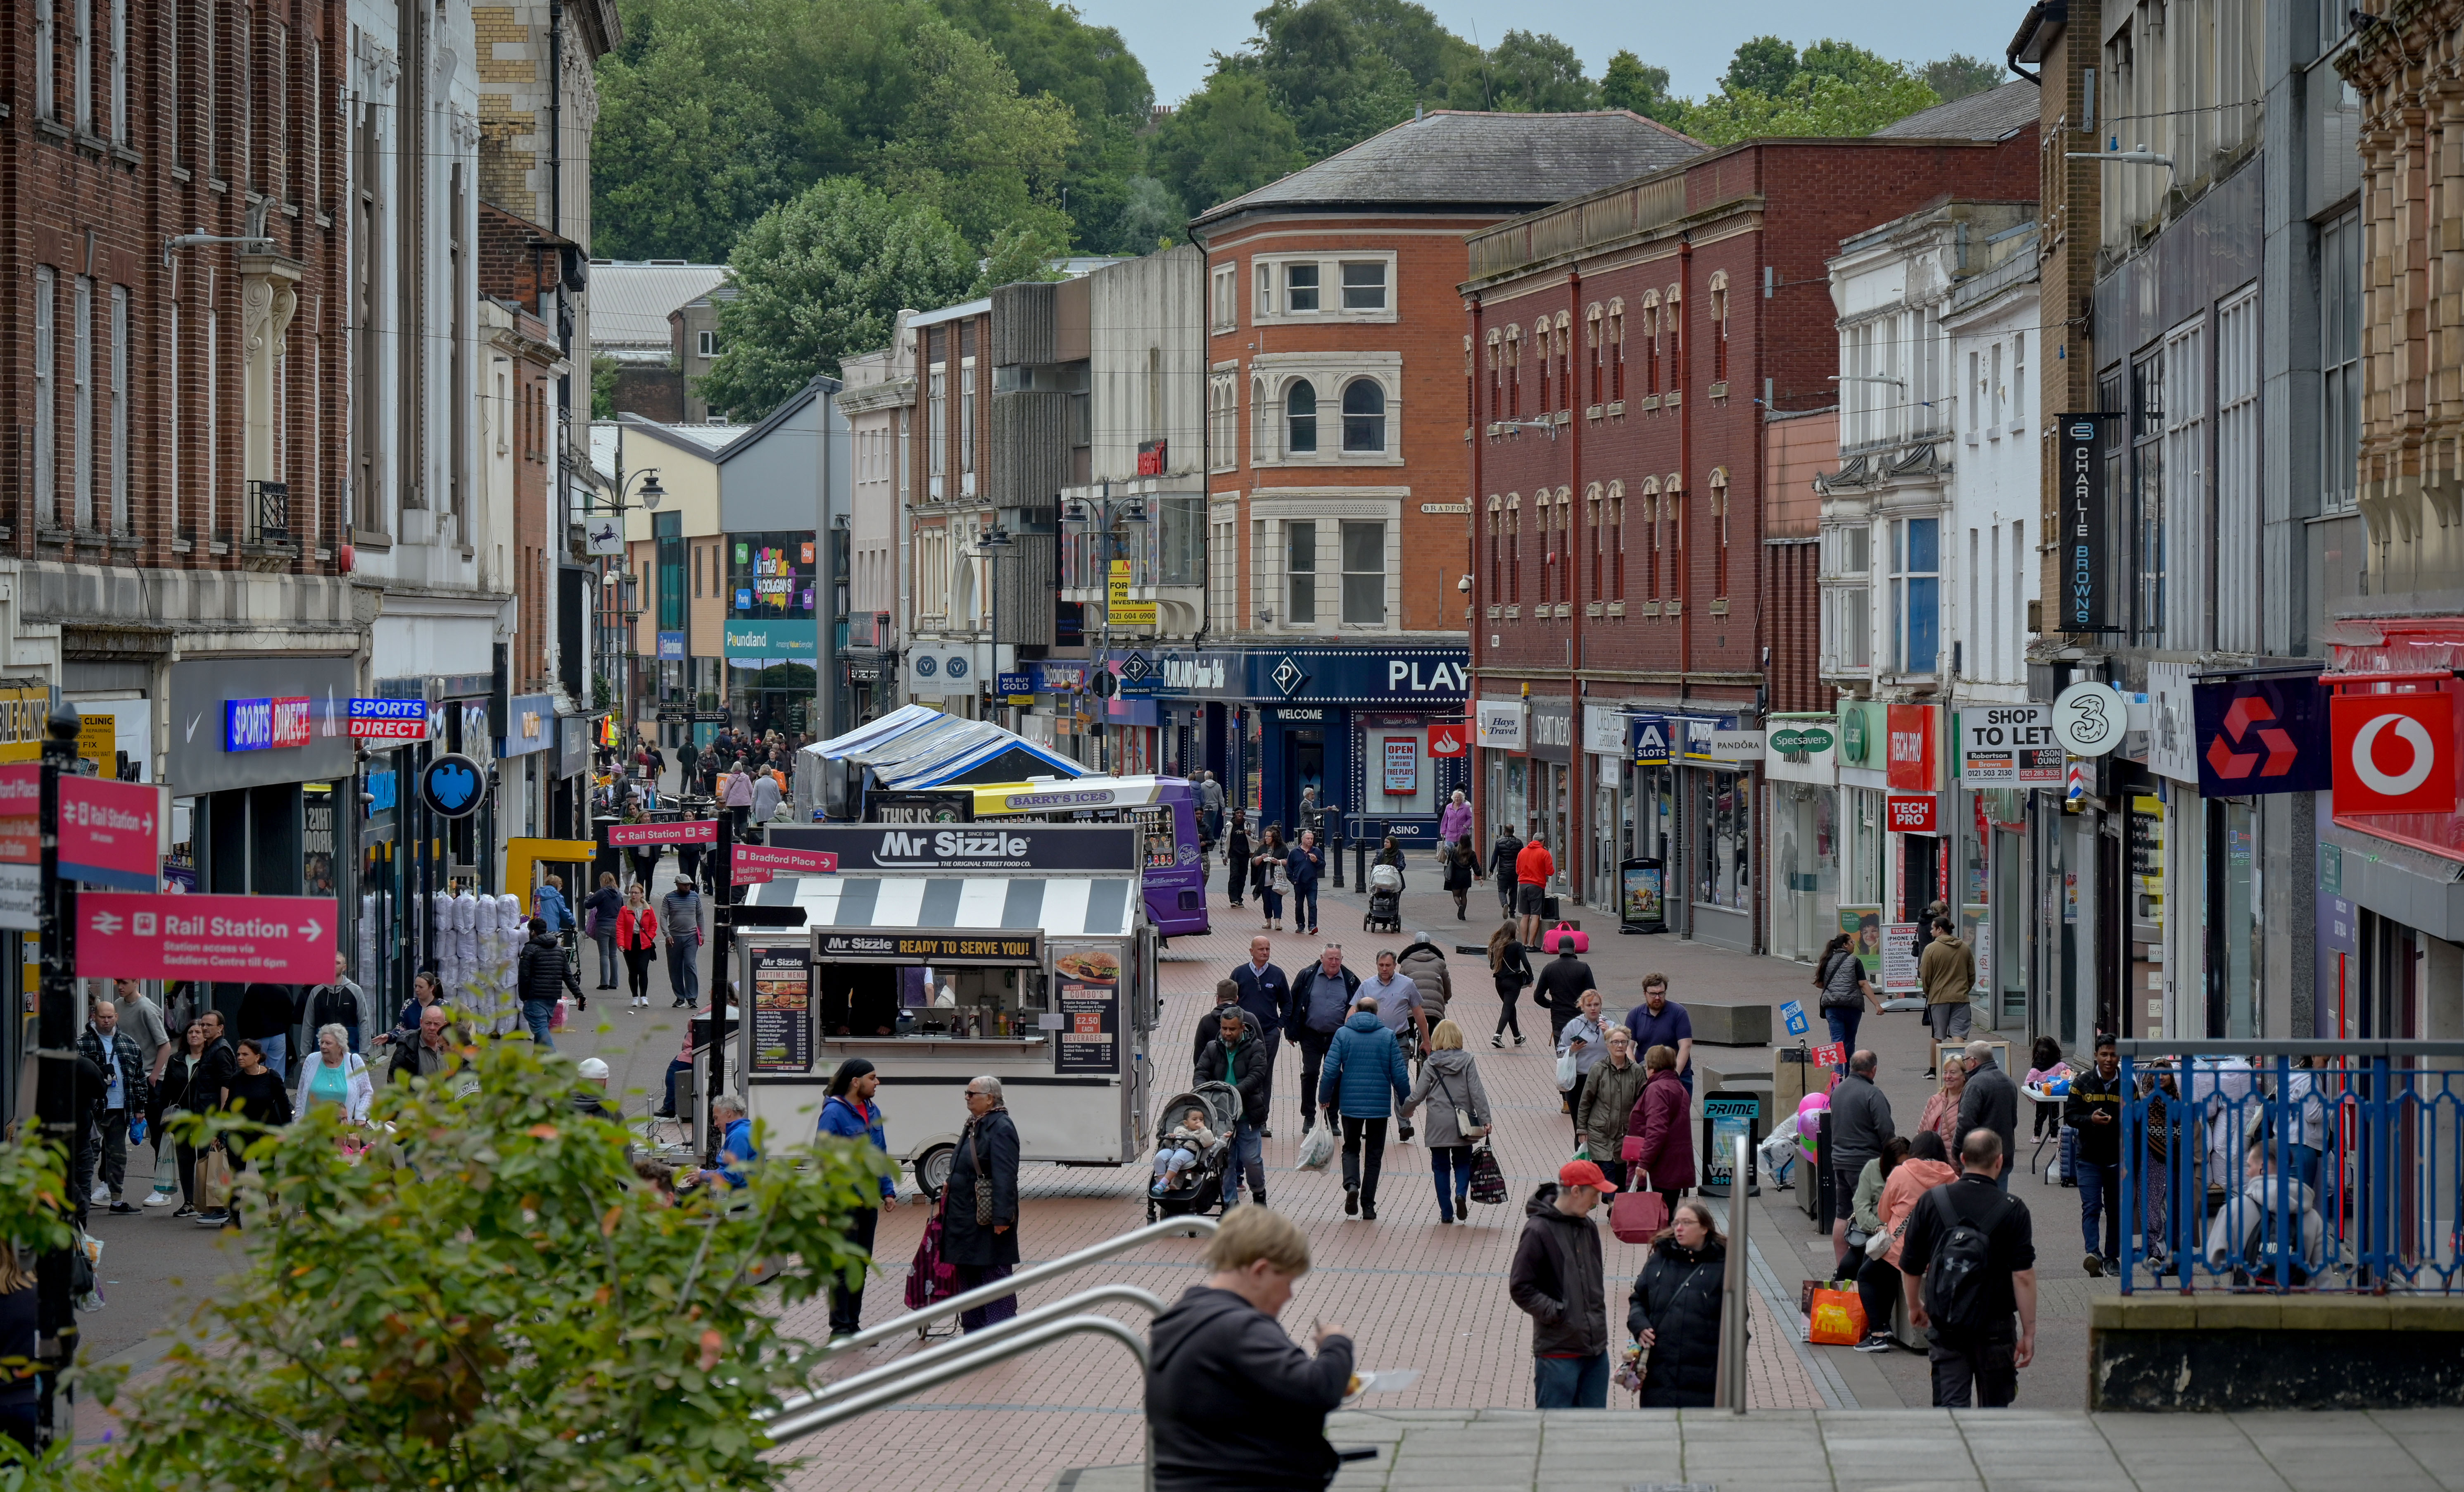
(2394, 754)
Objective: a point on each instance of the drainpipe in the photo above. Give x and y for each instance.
(1478, 579)
(1685, 577)
(556, 119)
(1577, 844)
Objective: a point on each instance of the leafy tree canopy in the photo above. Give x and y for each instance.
(1960, 75)
(1832, 88)
(1226, 139)
(1529, 73)
(1632, 85)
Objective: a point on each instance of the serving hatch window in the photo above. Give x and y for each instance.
(1155, 842)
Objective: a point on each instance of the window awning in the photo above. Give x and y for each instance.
(1099, 906)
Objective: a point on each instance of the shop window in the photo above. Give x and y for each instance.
(1915, 593)
(1300, 287)
(1364, 286)
(1723, 845)
(1364, 574)
(1299, 567)
(1300, 418)
(1364, 417)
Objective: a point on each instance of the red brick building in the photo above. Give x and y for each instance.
(520, 269)
(1624, 347)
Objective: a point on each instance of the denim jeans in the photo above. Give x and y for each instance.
(1450, 1165)
(607, 964)
(1248, 1162)
(1570, 1381)
(538, 1015)
(1843, 1020)
(2302, 1160)
(1304, 905)
(277, 1052)
(2099, 1189)
(684, 974)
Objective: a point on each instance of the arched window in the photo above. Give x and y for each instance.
(1720, 520)
(1591, 515)
(1651, 555)
(1565, 361)
(1720, 329)
(1494, 339)
(1540, 346)
(1650, 343)
(1673, 313)
(1496, 555)
(1514, 548)
(1299, 417)
(1615, 520)
(1260, 413)
(1364, 416)
(1597, 347)
(1617, 354)
(1513, 372)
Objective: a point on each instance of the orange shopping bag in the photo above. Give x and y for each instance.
(1839, 1319)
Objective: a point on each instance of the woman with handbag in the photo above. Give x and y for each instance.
(1267, 877)
(1659, 1141)
(1460, 859)
(1846, 992)
(256, 1095)
(1673, 1312)
(190, 1082)
(333, 1074)
(1581, 1045)
(1511, 967)
(637, 935)
(1458, 1115)
(850, 1113)
(979, 1220)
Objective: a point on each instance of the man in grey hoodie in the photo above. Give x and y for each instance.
(1860, 1125)
(680, 919)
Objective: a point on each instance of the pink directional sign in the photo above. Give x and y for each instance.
(684, 830)
(795, 862)
(111, 833)
(151, 935)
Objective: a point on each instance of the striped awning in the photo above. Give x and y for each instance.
(1059, 906)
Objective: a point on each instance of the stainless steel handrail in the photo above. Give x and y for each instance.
(985, 1295)
(822, 1416)
(1016, 1325)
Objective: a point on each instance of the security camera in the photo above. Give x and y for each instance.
(1464, 585)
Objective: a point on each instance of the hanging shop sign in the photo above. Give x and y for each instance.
(113, 833)
(453, 786)
(1911, 813)
(389, 720)
(530, 723)
(2394, 754)
(1500, 725)
(1649, 742)
(1603, 730)
(1744, 747)
(2261, 735)
(2170, 749)
(1551, 737)
(672, 647)
(2083, 601)
(1800, 740)
(2009, 745)
(2089, 717)
(1911, 758)
(1860, 730)
(1449, 740)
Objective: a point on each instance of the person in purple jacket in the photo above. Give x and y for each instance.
(850, 1114)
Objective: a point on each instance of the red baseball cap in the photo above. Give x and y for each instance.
(1582, 1173)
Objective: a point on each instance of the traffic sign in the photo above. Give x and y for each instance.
(166, 935)
(453, 786)
(112, 832)
(795, 862)
(680, 831)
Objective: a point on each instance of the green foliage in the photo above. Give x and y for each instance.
(603, 385)
(972, 147)
(1151, 217)
(490, 1300)
(1832, 89)
(1225, 140)
(821, 278)
(36, 1211)
(1765, 65)
(1629, 84)
(1960, 75)
(1537, 74)
(1019, 255)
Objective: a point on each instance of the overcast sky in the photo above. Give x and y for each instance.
(1174, 39)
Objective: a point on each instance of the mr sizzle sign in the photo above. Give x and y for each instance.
(2009, 745)
(2085, 600)
(389, 720)
(941, 950)
(960, 847)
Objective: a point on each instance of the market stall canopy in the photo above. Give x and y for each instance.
(917, 746)
(1099, 906)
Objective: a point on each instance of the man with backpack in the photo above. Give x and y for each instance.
(1969, 1266)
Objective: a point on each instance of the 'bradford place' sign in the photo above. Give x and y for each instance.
(2084, 604)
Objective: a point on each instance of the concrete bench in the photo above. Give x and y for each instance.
(1724, 1023)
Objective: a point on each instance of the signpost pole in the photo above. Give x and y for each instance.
(721, 925)
(55, 1096)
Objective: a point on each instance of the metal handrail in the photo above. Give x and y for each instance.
(2209, 1046)
(973, 1340)
(1000, 1289)
(822, 1416)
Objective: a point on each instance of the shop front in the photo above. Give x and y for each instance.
(1719, 786)
(1801, 768)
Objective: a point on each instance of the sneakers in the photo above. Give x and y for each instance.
(186, 1210)
(124, 1210)
(2094, 1266)
(100, 1195)
(1518, 1038)
(213, 1217)
(1404, 1133)
(1498, 1041)
(1367, 1215)
(1445, 1218)
(160, 1198)
(1351, 1201)
(1875, 1342)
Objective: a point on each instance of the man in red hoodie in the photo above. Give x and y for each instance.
(1532, 869)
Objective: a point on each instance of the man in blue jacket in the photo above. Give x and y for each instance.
(1264, 993)
(1303, 867)
(1365, 1077)
(850, 1113)
(1320, 996)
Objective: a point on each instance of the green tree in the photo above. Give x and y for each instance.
(1629, 84)
(1960, 75)
(1764, 64)
(821, 278)
(489, 1300)
(602, 387)
(36, 1217)
(682, 159)
(972, 147)
(1225, 140)
(1151, 217)
(1834, 88)
(1534, 73)
(1017, 256)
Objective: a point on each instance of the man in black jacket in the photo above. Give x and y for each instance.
(1233, 1404)
(267, 1013)
(1557, 1280)
(1237, 1056)
(2094, 1109)
(339, 1003)
(102, 1130)
(1267, 994)
(1227, 997)
(1990, 1101)
(1317, 1012)
(1501, 867)
(540, 974)
(1563, 979)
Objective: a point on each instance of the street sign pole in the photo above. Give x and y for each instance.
(720, 925)
(55, 1096)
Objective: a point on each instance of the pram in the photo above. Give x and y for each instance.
(1202, 1187)
(1385, 900)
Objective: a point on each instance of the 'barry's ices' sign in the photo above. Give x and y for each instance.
(265, 725)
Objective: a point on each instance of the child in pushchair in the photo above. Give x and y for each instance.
(1192, 1150)
(1385, 900)
(1182, 1150)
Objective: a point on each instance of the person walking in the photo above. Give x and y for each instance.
(680, 919)
(1510, 970)
(1502, 856)
(333, 1074)
(1611, 1090)
(1948, 971)
(1533, 865)
(1233, 1404)
(637, 936)
(1227, 997)
(599, 912)
(1661, 1021)
(548, 902)
(1390, 851)
(1321, 1000)
(1267, 994)
(1236, 861)
(191, 1080)
(1460, 864)
(1237, 1056)
(1563, 979)
(767, 796)
(1454, 820)
(1557, 1280)
(1365, 1076)
(2094, 1109)
(1846, 992)
(1582, 1038)
(340, 1002)
(1459, 1114)
(735, 795)
(1268, 872)
(1303, 867)
(1967, 1271)
(1990, 1101)
(426, 1055)
(979, 1227)
(1401, 1009)
(1210, 808)
(1660, 1123)
(1673, 1312)
(540, 972)
(1423, 963)
(1909, 1167)
(849, 1112)
(124, 1097)
(1860, 1125)
(256, 1095)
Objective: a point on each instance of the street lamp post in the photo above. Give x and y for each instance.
(989, 545)
(650, 493)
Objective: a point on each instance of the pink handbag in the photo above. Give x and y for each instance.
(1638, 1216)
(1563, 936)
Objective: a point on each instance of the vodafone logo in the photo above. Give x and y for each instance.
(2394, 753)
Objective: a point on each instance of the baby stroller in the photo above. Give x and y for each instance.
(1385, 900)
(1200, 1187)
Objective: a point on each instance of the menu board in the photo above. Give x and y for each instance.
(782, 1009)
(1899, 958)
(1089, 983)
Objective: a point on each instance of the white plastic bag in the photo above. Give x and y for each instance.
(1568, 1070)
(1317, 1147)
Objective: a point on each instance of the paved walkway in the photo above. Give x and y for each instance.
(1869, 1450)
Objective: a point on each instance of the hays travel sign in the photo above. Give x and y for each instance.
(1318, 675)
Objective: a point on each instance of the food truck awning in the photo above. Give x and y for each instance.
(917, 746)
(1097, 906)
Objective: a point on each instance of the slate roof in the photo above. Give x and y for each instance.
(1509, 163)
(629, 300)
(1994, 114)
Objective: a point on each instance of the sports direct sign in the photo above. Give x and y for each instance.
(275, 939)
(266, 725)
(389, 720)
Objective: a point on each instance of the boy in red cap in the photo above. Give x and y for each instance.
(1557, 1280)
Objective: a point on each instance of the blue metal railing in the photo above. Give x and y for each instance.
(2284, 1166)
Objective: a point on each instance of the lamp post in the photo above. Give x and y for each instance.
(989, 545)
(644, 485)
(55, 1096)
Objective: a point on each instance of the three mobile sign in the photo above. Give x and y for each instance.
(389, 720)
(275, 939)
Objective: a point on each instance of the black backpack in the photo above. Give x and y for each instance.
(1955, 1274)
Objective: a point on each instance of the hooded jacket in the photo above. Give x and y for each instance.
(1557, 1280)
(1425, 966)
(1315, 1005)
(1563, 979)
(1677, 1299)
(1364, 1075)
(1947, 970)
(1234, 1404)
(1243, 1065)
(1610, 1093)
(541, 972)
(1658, 1117)
(1449, 1082)
(1500, 857)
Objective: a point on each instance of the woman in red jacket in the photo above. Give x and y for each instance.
(1665, 1151)
(637, 936)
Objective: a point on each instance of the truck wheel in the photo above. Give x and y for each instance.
(933, 1170)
